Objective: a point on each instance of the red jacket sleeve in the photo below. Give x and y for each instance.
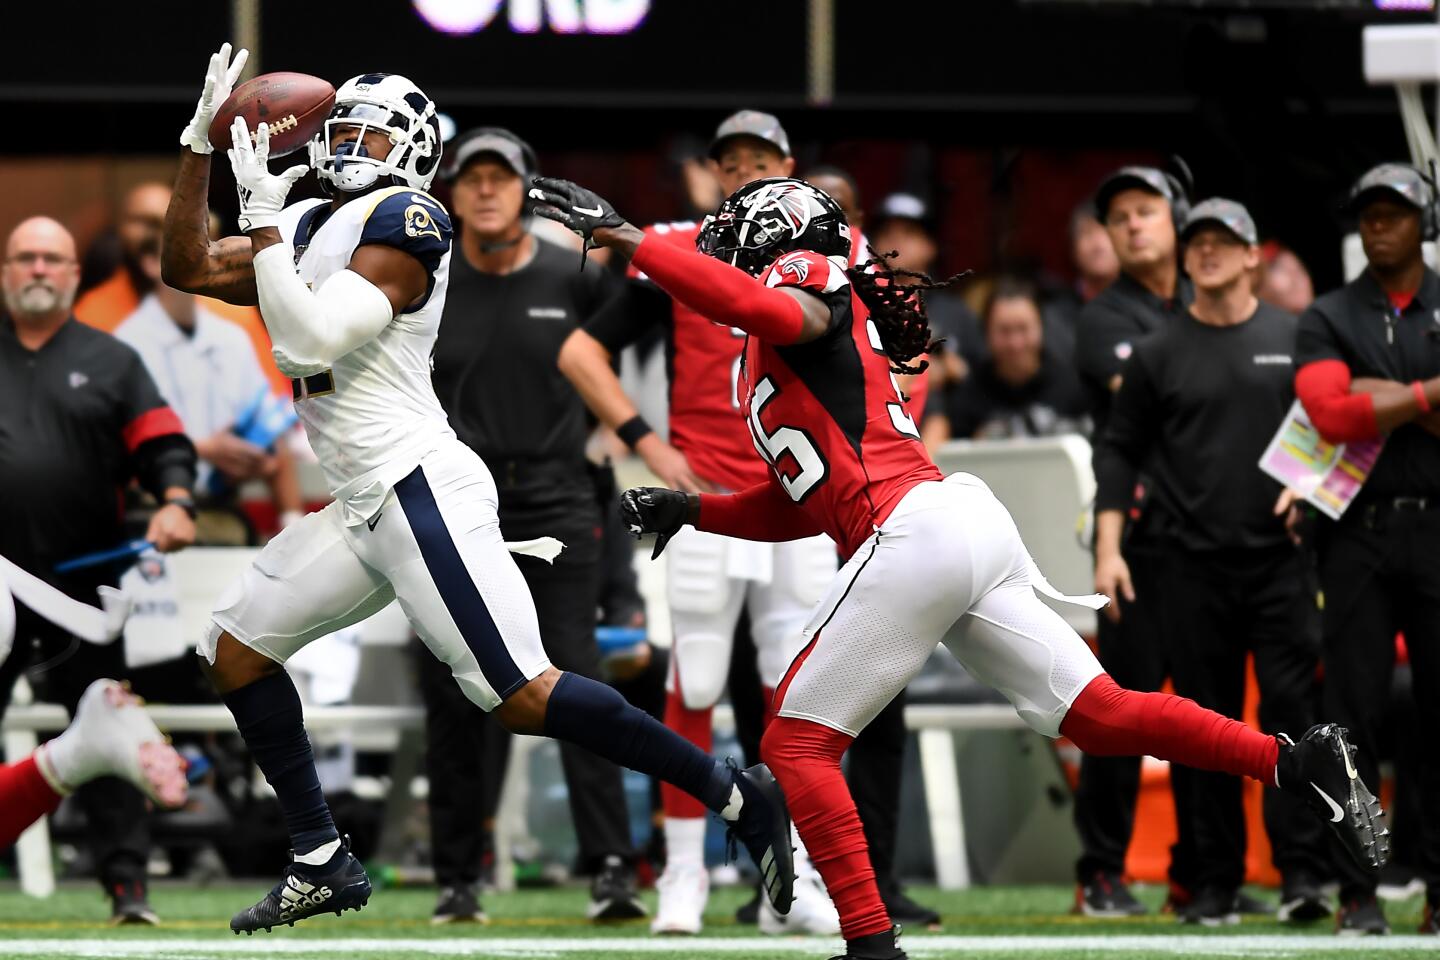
(719, 292)
(763, 512)
(1323, 387)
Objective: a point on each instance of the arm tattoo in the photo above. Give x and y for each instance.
(190, 261)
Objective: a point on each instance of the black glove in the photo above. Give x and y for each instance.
(573, 207)
(654, 510)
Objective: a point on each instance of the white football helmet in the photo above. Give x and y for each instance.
(393, 105)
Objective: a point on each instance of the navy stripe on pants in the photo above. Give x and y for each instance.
(457, 590)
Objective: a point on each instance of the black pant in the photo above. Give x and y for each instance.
(1133, 652)
(876, 767)
(60, 667)
(1218, 609)
(465, 750)
(1380, 575)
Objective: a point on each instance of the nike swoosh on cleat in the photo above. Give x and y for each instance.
(590, 213)
(1349, 767)
(1339, 814)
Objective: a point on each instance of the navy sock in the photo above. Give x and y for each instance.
(596, 717)
(270, 719)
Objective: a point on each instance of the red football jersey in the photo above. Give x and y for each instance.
(704, 370)
(827, 415)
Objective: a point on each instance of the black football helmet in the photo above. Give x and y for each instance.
(766, 218)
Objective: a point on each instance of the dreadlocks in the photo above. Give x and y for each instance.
(898, 309)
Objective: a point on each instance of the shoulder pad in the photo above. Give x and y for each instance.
(807, 270)
(409, 220)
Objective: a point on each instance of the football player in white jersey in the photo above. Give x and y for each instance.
(351, 290)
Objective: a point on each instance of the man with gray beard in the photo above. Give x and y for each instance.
(79, 419)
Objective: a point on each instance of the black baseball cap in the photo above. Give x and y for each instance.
(1149, 179)
(1399, 180)
(1226, 213)
(751, 123)
(514, 152)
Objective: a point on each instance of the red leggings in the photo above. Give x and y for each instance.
(25, 796)
(1104, 720)
(1107, 720)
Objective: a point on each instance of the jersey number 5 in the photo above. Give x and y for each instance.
(807, 469)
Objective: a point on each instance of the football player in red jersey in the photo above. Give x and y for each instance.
(926, 553)
(711, 579)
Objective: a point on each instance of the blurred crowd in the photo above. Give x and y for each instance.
(1211, 564)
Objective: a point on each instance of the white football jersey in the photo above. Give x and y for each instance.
(373, 413)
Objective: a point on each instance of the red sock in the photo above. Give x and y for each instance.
(805, 758)
(693, 725)
(25, 796)
(1107, 720)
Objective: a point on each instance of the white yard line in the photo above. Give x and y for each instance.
(1240, 945)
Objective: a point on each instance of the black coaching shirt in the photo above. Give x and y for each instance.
(1110, 325)
(1358, 326)
(1197, 407)
(495, 370)
(79, 418)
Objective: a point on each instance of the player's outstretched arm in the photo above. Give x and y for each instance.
(189, 259)
(313, 328)
(715, 290)
(762, 512)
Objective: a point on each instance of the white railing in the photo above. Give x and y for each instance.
(935, 724)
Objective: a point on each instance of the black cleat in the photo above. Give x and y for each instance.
(1211, 907)
(907, 912)
(876, 946)
(1106, 895)
(1321, 768)
(306, 891)
(130, 905)
(764, 828)
(612, 893)
(749, 911)
(1361, 917)
(1301, 900)
(458, 904)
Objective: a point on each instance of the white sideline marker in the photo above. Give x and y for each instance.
(919, 946)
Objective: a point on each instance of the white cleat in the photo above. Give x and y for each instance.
(112, 735)
(812, 913)
(683, 889)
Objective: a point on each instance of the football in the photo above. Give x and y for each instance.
(294, 104)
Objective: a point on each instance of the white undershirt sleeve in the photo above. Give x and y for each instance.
(320, 326)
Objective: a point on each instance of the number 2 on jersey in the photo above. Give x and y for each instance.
(811, 469)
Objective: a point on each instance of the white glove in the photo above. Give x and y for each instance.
(262, 193)
(219, 81)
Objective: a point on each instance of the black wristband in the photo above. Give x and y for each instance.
(184, 503)
(634, 430)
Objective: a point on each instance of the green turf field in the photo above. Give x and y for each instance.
(982, 924)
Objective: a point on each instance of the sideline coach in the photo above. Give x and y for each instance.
(79, 418)
(1368, 361)
(513, 300)
(1200, 401)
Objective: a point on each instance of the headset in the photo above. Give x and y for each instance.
(1429, 195)
(1174, 187)
(528, 161)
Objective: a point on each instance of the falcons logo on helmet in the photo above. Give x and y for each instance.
(788, 201)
